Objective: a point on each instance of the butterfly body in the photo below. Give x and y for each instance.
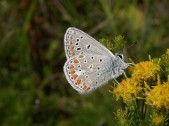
(89, 64)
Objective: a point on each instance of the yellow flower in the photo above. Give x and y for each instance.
(157, 119)
(159, 95)
(127, 90)
(145, 70)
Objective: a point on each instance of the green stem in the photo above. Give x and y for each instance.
(143, 109)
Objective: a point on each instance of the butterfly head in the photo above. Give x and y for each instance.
(120, 59)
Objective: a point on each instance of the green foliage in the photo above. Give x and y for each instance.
(33, 88)
(165, 62)
(117, 45)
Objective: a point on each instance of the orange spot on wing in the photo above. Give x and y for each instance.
(71, 67)
(75, 61)
(73, 54)
(72, 71)
(71, 40)
(71, 47)
(75, 76)
(78, 82)
(85, 87)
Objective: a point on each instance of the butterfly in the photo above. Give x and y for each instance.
(89, 64)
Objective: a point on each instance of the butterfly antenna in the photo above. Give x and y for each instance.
(132, 44)
(129, 46)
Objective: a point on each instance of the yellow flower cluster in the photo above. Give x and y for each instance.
(127, 90)
(145, 87)
(159, 95)
(145, 70)
(141, 72)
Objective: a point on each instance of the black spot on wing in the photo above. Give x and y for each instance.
(78, 49)
(88, 46)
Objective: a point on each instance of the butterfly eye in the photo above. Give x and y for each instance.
(120, 56)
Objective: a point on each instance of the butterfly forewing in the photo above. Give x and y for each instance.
(77, 42)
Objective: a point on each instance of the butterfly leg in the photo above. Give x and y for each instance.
(131, 64)
(124, 74)
(116, 82)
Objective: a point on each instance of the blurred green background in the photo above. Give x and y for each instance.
(33, 88)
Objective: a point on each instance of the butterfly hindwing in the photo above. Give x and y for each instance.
(87, 72)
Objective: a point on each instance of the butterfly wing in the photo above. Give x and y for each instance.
(87, 72)
(89, 63)
(77, 42)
